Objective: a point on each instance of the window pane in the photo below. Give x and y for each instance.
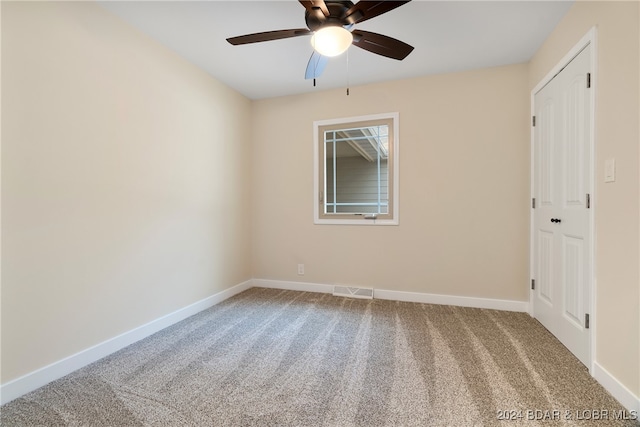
(356, 170)
(356, 165)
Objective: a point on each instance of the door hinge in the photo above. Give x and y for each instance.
(533, 121)
(533, 203)
(586, 320)
(588, 201)
(533, 284)
(588, 80)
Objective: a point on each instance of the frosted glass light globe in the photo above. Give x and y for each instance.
(331, 41)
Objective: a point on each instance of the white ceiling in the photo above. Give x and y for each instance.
(448, 36)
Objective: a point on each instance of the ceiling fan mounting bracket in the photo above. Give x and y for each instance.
(315, 18)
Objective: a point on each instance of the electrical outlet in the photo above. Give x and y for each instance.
(301, 269)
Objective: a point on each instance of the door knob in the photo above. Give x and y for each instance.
(556, 220)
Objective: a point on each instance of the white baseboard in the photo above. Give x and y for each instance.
(616, 388)
(36, 379)
(496, 304)
(293, 286)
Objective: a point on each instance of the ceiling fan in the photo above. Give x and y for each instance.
(330, 23)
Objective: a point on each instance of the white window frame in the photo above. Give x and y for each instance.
(394, 153)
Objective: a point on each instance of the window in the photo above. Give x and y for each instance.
(356, 174)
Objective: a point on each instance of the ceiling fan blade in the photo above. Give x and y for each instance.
(268, 36)
(365, 9)
(316, 65)
(381, 45)
(310, 4)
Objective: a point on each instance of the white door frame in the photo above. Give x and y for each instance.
(587, 39)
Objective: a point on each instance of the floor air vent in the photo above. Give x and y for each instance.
(351, 292)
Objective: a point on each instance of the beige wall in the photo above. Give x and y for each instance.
(124, 182)
(464, 186)
(617, 204)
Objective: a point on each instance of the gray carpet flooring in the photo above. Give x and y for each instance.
(282, 358)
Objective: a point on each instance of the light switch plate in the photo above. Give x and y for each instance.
(610, 170)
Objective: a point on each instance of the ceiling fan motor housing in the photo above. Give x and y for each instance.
(316, 20)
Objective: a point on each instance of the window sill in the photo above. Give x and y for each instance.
(318, 221)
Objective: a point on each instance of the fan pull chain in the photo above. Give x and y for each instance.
(315, 68)
(347, 72)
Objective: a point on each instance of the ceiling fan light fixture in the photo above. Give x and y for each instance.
(331, 41)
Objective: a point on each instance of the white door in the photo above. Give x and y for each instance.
(561, 218)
